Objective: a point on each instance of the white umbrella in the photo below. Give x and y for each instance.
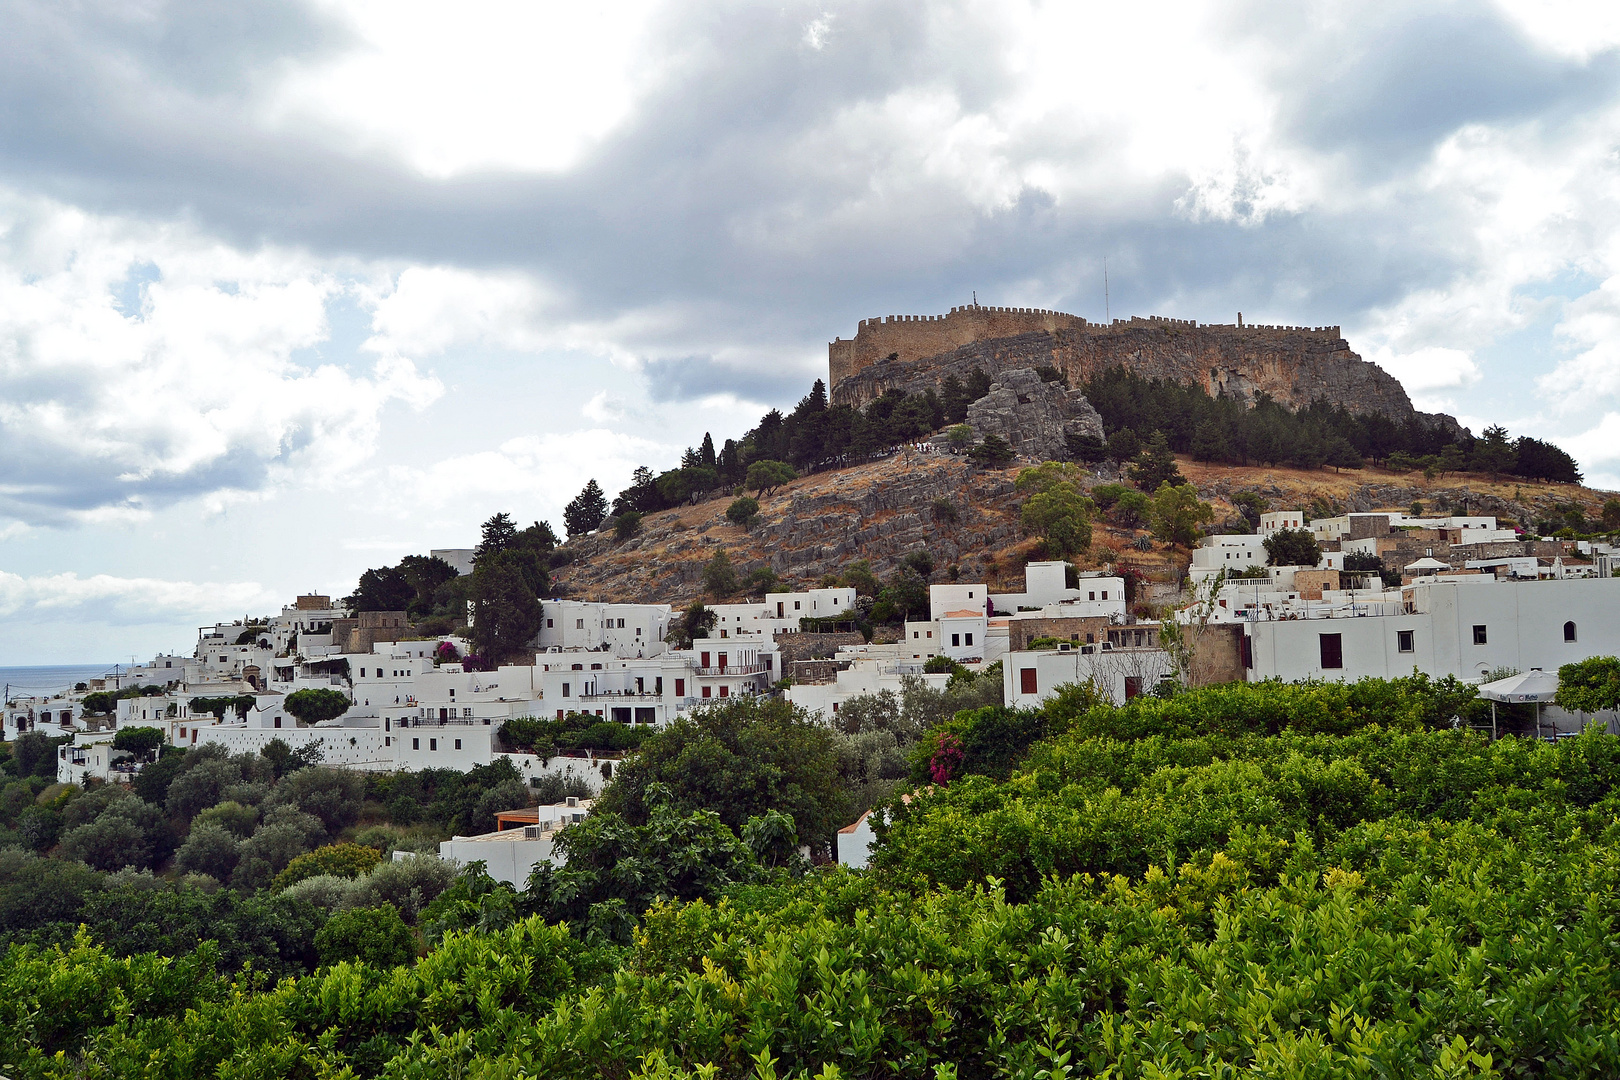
(1534, 685)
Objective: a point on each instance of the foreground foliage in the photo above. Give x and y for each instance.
(1279, 881)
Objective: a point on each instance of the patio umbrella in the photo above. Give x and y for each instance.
(1534, 685)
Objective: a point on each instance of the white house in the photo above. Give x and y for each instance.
(1226, 553)
(511, 854)
(1122, 672)
(861, 669)
(1463, 626)
(1276, 521)
(622, 629)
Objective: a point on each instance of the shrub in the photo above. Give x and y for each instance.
(338, 860)
(209, 849)
(743, 511)
(375, 936)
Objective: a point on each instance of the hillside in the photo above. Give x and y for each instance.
(883, 509)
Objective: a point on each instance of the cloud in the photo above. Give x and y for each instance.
(1590, 327)
(695, 377)
(531, 476)
(1426, 373)
(146, 365)
(705, 195)
(104, 598)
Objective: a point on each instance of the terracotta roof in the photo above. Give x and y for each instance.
(964, 613)
(852, 826)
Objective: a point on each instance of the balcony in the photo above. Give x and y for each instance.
(622, 695)
(742, 669)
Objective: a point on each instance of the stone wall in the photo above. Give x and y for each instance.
(1293, 365)
(913, 337)
(1216, 654)
(1086, 630)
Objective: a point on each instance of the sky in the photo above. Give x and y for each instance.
(289, 290)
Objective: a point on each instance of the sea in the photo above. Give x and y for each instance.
(33, 681)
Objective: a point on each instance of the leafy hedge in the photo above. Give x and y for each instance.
(1293, 882)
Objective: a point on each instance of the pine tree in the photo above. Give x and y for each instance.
(1156, 466)
(706, 451)
(586, 511)
(498, 533)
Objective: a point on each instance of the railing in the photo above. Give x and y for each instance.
(622, 695)
(744, 669)
(434, 721)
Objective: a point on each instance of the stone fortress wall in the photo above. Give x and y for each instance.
(903, 339)
(1294, 365)
(912, 337)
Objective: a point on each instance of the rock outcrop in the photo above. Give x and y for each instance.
(1039, 419)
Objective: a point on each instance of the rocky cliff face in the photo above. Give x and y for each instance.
(1294, 366)
(1038, 419)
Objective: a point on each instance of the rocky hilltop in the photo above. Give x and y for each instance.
(968, 518)
(1294, 365)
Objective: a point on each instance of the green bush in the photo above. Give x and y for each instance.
(375, 936)
(339, 860)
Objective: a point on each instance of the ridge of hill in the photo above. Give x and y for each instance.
(881, 510)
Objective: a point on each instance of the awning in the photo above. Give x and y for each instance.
(1529, 686)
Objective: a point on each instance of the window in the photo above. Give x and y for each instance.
(566, 688)
(466, 713)
(970, 639)
(388, 740)
(278, 721)
(703, 659)
(705, 691)
(1092, 595)
(458, 744)
(579, 624)
(620, 626)
(1248, 652)
(416, 744)
(956, 641)
(916, 633)
(1479, 635)
(550, 623)
(1403, 641)
(680, 687)
(1569, 631)
(1026, 680)
(723, 691)
(433, 744)
(1332, 646)
(1133, 686)
(1105, 594)
(796, 605)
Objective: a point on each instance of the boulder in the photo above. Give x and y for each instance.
(1038, 419)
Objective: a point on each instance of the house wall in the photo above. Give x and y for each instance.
(1524, 624)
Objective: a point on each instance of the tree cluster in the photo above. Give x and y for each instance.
(1225, 430)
